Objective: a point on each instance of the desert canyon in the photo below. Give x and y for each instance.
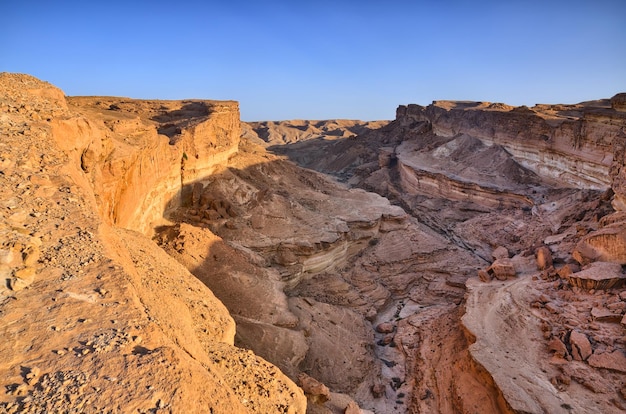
(165, 257)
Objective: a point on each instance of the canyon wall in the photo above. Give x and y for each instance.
(504, 184)
(137, 173)
(568, 143)
(99, 317)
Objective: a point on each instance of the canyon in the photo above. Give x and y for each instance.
(163, 256)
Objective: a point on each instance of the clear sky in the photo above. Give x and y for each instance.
(322, 59)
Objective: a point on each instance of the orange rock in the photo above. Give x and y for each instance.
(558, 347)
(500, 252)
(544, 258)
(502, 269)
(313, 389)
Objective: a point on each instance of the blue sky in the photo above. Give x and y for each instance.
(322, 59)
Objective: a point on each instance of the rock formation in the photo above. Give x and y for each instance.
(465, 257)
(543, 181)
(95, 316)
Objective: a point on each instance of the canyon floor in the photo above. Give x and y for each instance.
(161, 256)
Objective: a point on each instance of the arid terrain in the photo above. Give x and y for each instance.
(163, 256)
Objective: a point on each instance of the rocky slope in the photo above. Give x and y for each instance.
(543, 181)
(465, 257)
(95, 316)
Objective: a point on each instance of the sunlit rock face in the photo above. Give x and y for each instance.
(139, 155)
(111, 321)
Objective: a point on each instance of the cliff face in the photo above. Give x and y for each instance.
(138, 173)
(99, 317)
(571, 144)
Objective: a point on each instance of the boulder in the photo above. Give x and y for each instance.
(502, 269)
(602, 314)
(558, 347)
(598, 275)
(484, 275)
(385, 327)
(500, 252)
(607, 244)
(567, 270)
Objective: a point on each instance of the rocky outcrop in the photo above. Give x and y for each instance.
(96, 312)
(598, 275)
(136, 171)
(618, 102)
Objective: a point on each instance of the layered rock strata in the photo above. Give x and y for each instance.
(567, 142)
(543, 179)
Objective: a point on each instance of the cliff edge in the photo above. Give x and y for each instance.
(94, 315)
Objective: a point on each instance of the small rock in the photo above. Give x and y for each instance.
(552, 307)
(385, 327)
(617, 307)
(605, 315)
(484, 276)
(581, 347)
(544, 258)
(615, 361)
(567, 270)
(387, 339)
(314, 390)
(32, 375)
(500, 252)
(558, 347)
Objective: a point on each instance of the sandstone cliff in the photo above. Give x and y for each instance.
(96, 316)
